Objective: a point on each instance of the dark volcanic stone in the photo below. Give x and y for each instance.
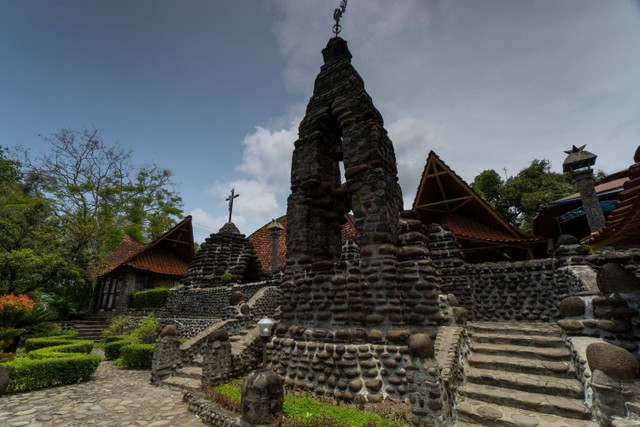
(262, 397)
(614, 278)
(169, 330)
(566, 239)
(236, 298)
(571, 307)
(570, 324)
(219, 335)
(4, 380)
(421, 346)
(612, 360)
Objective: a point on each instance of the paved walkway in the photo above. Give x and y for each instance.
(113, 397)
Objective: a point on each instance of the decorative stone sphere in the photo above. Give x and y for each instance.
(572, 306)
(236, 298)
(614, 361)
(169, 330)
(262, 397)
(421, 346)
(218, 335)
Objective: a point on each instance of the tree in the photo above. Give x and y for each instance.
(518, 199)
(99, 196)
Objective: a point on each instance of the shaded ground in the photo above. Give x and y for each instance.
(113, 397)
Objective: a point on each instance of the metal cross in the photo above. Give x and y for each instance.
(230, 200)
(337, 14)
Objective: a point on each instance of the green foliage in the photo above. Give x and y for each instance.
(137, 356)
(8, 335)
(31, 374)
(226, 278)
(112, 349)
(518, 199)
(52, 362)
(152, 298)
(305, 411)
(117, 325)
(32, 344)
(114, 338)
(148, 326)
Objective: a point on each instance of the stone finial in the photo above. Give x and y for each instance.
(421, 346)
(614, 361)
(169, 330)
(262, 397)
(336, 49)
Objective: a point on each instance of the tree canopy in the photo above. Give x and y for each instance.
(61, 211)
(518, 199)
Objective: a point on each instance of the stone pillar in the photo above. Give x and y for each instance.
(262, 397)
(275, 228)
(216, 360)
(426, 390)
(590, 202)
(166, 355)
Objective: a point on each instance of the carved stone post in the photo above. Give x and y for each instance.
(216, 361)
(166, 355)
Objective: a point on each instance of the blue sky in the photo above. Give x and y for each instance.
(215, 90)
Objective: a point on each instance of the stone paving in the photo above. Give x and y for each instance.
(113, 397)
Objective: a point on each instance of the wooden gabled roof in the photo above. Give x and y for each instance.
(169, 254)
(443, 197)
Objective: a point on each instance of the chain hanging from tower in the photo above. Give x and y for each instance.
(337, 14)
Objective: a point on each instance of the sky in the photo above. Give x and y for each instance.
(215, 90)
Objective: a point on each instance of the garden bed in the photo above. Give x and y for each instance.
(305, 409)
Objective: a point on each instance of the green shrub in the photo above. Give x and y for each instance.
(148, 326)
(226, 278)
(65, 346)
(51, 361)
(31, 374)
(112, 349)
(118, 323)
(137, 356)
(114, 338)
(152, 298)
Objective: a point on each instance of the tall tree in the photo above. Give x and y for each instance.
(98, 195)
(518, 199)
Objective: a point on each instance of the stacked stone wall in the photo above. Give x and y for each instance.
(206, 302)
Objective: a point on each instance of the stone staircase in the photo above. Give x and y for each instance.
(89, 328)
(242, 348)
(520, 374)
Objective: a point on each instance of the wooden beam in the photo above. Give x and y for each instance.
(446, 201)
(462, 204)
(431, 175)
(431, 210)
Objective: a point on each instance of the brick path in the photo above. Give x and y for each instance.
(113, 397)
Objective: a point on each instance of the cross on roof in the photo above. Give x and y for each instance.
(230, 200)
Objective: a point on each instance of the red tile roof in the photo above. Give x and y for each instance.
(600, 188)
(261, 241)
(464, 227)
(623, 224)
(169, 254)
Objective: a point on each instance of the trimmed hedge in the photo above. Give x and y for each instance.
(112, 349)
(138, 356)
(32, 344)
(153, 298)
(114, 338)
(52, 362)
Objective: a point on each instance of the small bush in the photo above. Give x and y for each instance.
(118, 323)
(114, 338)
(31, 374)
(65, 346)
(137, 356)
(226, 278)
(148, 326)
(36, 343)
(112, 349)
(8, 335)
(152, 298)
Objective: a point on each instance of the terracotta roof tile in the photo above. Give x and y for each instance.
(261, 241)
(169, 254)
(463, 226)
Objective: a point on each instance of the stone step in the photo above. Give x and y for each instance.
(194, 372)
(536, 402)
(527, 382)
(515, 328)
(542, 353)
(197, 361)
(475, 412)
(525, 366)
(181, 383)
(516, 339)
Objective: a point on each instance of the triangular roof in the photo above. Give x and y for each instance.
(169, 254)
(623, 224)
(445, 198)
